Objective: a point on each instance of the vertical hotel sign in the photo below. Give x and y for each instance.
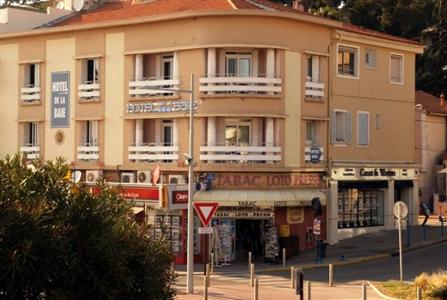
(60, 99)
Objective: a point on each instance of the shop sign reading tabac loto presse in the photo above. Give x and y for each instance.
(268, 181)
(60, 99)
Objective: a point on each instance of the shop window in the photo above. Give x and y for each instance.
(360, 208)
(347, 61)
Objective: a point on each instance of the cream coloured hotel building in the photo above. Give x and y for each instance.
(288, 107)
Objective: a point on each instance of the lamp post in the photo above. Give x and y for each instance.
(190, 160)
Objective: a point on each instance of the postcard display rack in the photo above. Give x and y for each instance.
(227, 231)
(271, 242)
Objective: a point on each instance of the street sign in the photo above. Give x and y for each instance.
(316, 226)
(206, 211)
(400, 210)
(205, 230)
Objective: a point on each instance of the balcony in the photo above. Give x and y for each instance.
(89, 91)
(314, 154)
(314, 90)
(31, 152)
(240, 154)
(88, 152)
(148, 87)
(30, 94)
(241, 85)
(153, 153)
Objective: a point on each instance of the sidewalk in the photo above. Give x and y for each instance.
(244, 292)
(358, 249)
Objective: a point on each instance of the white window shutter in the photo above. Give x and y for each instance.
(333, 127)
(348, 127)
(363, 123)
(36, 75)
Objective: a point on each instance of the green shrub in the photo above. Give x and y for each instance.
(59, 241)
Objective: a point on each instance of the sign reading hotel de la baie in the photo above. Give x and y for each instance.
(60, 99)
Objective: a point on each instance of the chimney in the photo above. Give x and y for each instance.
(442, 99)
(298, 5)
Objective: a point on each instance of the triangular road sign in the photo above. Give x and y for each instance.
(206, 211)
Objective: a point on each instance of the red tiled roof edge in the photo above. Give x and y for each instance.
(430, 103)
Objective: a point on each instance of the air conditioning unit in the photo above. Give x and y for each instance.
(128, 177)
(177, 179)
(91, 176)
(144, 176)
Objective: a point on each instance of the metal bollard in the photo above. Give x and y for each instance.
(299, 282)
(364, 289)
(283, 257)
(418, 293)
(255, 289)
(252, 275)
(331, 275)
(212, 263)
(208, 274)
(308, 290)
(292, 277)
(249, 261)
(205, 288)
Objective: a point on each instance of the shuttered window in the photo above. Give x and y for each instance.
(341, 130)
(362, 128)
(396, 68)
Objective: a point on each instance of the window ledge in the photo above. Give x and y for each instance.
(348, 77)
(174, 97)
(396, 83)
(340, 144)
(96, 100)
(34, 103)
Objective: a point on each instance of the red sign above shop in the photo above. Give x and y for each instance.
(206, 211)
(139, 193)
(179, 197)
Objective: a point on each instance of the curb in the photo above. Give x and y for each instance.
(335, 264)
(380, 293)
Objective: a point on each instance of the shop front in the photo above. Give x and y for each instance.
(262, 214)
(362, 199)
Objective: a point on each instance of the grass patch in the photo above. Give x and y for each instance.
(397, 289)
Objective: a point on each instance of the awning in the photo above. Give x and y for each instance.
(443, 171)
(261, 198)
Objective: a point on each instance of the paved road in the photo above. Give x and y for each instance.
(428, 259)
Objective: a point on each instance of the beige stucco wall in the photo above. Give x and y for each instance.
(59, 58)
(9, 74)
(114, 93)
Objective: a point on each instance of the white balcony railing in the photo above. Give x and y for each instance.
(148, 87)
(30, 94)
(240, 154)
(314, 89)
(314, 154)
(31, 151)
(89, 91)
(241, 85)
(88, 152)
(153, 153)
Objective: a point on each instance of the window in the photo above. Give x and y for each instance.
(31, 134)
(31, 78)
(360, 208)
(167, 66)
(90, 71)
(362, 128)
(311, 133)
(313, 68)
(341, 127)
(238, 64)
(397, 68)
(347, 61)
(167, 133)
(370, 58)
(237, 132)
(91, 133)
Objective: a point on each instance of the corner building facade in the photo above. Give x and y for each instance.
(284, 102)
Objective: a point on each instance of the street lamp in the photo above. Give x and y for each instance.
(190, 160)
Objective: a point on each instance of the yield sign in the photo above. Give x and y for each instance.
(206, 211)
